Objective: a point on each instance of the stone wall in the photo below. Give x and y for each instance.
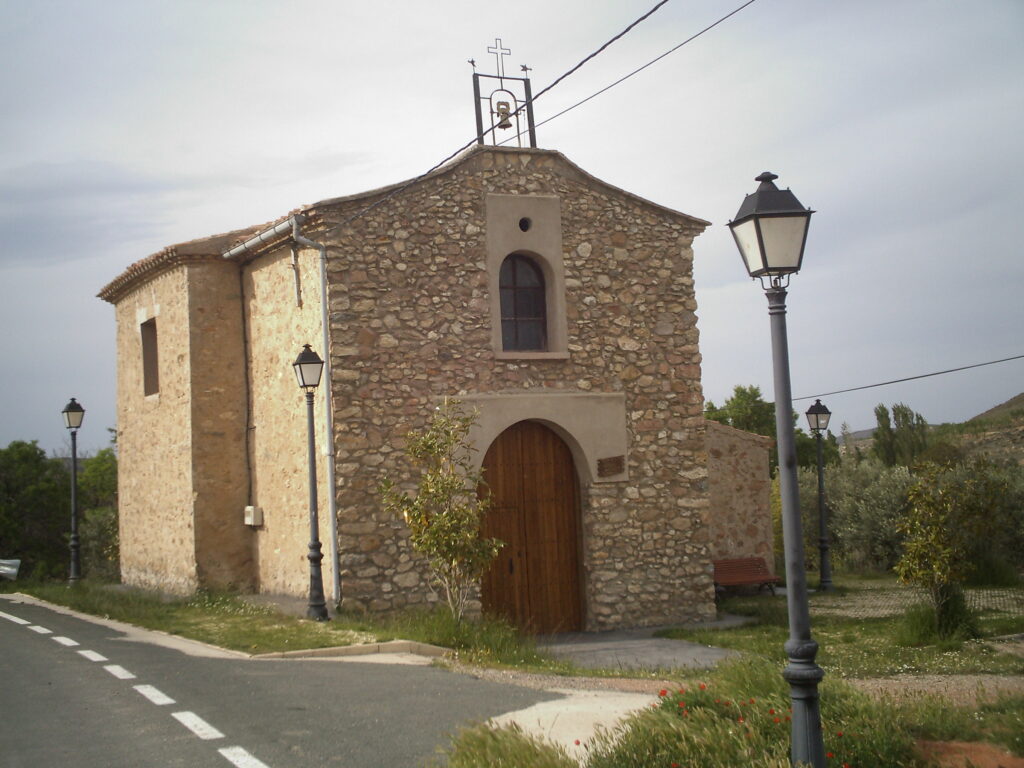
(738, 520)
(410, 324)
(277, 329)
(154, 439)
(223, 544)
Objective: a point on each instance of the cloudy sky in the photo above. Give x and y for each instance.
(130, 125)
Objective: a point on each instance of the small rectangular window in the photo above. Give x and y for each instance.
(150, 359)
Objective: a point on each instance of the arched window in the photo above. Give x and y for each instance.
(523, 305)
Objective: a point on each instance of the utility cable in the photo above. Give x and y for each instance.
(639, 69)
(911, 378)
(472, 141)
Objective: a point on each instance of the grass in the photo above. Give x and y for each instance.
(218, 619)
(230, 622)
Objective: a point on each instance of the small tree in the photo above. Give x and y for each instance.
(948, 514)
(899, 440)
(446, 512)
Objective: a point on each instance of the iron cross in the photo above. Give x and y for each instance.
(499, 54)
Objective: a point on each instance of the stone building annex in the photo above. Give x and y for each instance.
(559, 307)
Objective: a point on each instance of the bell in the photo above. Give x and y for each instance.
(502, 109)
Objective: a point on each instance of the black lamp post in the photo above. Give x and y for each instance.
(308, 368)
(770, 230)
(817, 418)
(73, 414)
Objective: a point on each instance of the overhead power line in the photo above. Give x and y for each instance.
(911, 378)
(648, 64)
(472, 141)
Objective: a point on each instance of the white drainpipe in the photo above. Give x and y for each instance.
(292, 225)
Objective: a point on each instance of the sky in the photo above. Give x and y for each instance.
(128, 126)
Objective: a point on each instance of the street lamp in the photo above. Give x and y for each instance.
(308, 368)
(73, 414)
(817, 417)
(770, 230)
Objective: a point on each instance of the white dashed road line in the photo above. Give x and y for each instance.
(237, 756)
(197, 725)
(119, 672)
(155, 695)
(241, 759)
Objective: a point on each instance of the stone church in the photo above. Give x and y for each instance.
(558, 307)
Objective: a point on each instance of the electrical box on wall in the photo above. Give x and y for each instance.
(254, 516)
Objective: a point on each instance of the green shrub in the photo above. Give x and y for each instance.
(921, 625)
(866, 500)
(740, 716)
(100, 544)
(993, 570)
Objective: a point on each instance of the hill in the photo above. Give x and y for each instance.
(996, 434)
(1007, 409)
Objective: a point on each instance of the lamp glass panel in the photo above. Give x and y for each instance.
(746, 239)
(73, 416)
(823, 421)
(783, 241)
(308, 374)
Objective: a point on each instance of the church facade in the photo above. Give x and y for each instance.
(560, 308)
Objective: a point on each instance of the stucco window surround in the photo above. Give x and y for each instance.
(593, 425)
(530, 226)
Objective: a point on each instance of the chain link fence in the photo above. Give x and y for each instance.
(894, 600)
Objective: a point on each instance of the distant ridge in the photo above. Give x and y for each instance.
(1013, 404)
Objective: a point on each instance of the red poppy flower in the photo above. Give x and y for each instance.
(663, 693)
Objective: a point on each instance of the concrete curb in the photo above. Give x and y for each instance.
(199, 648)
(136, 634)
(364, 649)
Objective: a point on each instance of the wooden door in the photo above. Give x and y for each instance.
(535, 580)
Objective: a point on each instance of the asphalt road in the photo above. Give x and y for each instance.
(73, 692)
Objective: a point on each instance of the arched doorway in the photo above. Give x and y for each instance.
(535, 580)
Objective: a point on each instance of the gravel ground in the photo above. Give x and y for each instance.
(960, 690)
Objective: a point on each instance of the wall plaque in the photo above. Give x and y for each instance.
(611, 466)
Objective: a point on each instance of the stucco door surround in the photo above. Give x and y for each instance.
(535, 580)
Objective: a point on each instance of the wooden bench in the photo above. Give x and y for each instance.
(743, 572)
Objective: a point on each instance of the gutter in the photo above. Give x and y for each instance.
(291, 226)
